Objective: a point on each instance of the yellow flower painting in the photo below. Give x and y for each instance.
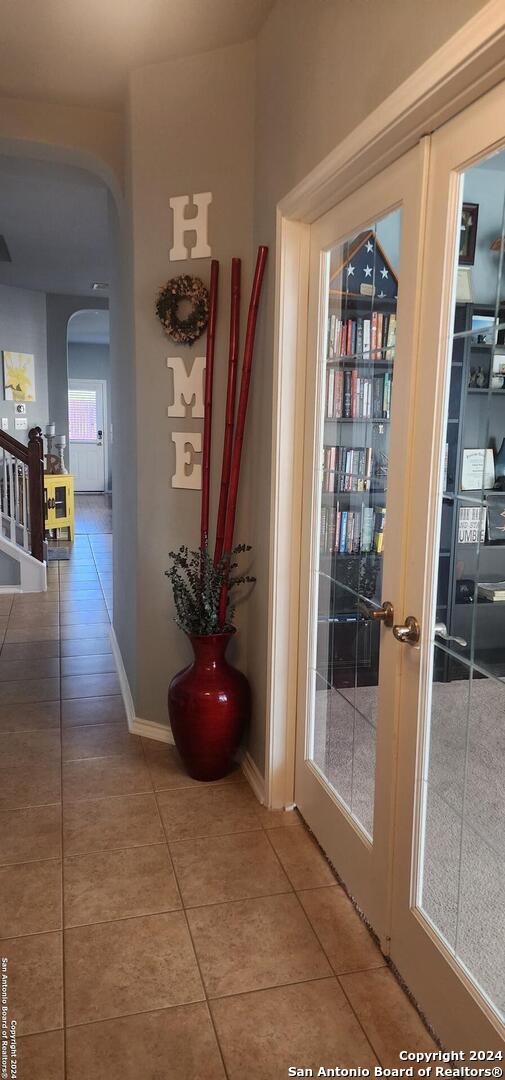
(19, 376)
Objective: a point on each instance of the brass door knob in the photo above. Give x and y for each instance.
(383, 614)
(409, 632)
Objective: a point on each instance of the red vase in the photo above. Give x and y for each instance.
(208, 706)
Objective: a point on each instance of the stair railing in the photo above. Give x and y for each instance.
(22, 492)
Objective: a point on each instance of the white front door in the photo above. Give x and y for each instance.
(87, 432)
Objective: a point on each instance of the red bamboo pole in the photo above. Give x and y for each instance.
(230, 405)
(241, 413)
(207, 423)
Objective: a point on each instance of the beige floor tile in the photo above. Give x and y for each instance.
(150, 965)
(253, 944)
(38, 716)
(208, 811)
(30, 898)
(32, 633)
(301, 858)
(29, 650)
(42, 615)
(310, 1025)
(34, 668)
(94, 664)
(108, 824)
(345, 939)
(86, 646)
(100, 740)
(29, 690)
(30, 748)
(30, 834)
(35, 975)
(278, 819)
(119, 884)
(3, 626)
(386, 1014)
(81, 630)
(172, 1044)
(41, 1057)
(79, 686)
(33, 785)
(167, 769)
(95, 778)
(100, 710)
(5, 605)
(214, 869)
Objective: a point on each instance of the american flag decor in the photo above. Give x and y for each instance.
(365, 270)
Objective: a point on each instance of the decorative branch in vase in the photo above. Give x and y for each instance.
(209, 701)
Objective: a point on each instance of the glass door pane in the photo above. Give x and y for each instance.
(462, 872)
(356, 392)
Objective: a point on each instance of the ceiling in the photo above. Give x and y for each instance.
(89, 328)
(55, 222)
(79, 53)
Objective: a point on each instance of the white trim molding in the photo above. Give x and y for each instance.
(462, 70)
(253, 776)
(136, 725)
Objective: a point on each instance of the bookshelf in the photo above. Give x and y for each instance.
(476, 419)
(356, 406)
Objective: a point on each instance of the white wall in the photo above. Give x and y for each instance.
(23, 329)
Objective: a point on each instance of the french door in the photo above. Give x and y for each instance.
(401, 740)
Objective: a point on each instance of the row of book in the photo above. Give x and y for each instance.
(351, 532)
(346, 468)
(373, 338)
(352, 396)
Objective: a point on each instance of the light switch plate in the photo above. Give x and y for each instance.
(5, 423)
(20, 423)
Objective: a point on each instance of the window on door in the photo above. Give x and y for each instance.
(462, 878)
(82, 415)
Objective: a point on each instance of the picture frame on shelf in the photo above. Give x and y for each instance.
(468, 233)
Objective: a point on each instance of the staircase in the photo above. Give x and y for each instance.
(22, 545)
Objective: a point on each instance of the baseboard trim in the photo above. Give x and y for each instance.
(253, 775)
(10, 589)
(148, 729)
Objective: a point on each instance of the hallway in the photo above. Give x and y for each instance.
(154, 926)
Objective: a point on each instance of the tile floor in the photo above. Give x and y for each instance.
(155, 926)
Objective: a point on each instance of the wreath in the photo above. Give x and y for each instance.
(184, 331)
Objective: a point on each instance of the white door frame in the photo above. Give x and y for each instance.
(105, 430)
(464, 68)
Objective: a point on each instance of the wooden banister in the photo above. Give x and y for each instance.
(36, 492)
(14, 447)
(31, 456)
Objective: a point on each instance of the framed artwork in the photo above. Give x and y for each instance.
(19, 376)
(468, 234)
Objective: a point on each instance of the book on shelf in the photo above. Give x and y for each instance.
(472, 524)
(477, 470)
(347, 468)
(373, 338)
(352, 532)
(357, 397)
(492, 590)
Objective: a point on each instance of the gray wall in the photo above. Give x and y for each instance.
(9, 570)
(59, 309)
(93, 362)
(191, 130)
(23, 329)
